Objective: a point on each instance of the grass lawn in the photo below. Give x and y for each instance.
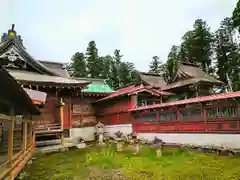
(106, 164)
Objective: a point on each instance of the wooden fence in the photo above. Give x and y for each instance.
(18, 147)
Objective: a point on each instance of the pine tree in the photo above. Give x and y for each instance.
(94, 65)
(227, 55)
(156, 66)
(117, 56)
(77, 67)
(125, 73)
(114, 78)
(197, 45)
(116, 66)
(172, 64)
(236, 16)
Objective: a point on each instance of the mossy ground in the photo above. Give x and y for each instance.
(105, 164)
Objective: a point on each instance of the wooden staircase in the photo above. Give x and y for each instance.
(48, 129)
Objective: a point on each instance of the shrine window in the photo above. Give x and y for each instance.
(168, 116)
(191, 114)
(223, 112)
(150, 117)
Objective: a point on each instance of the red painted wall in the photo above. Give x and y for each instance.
(210, 119)
(115, 111)
(85, 116)
(49, 113)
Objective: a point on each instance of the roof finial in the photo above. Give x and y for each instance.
(13, 25)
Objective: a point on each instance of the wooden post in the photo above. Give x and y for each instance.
(61, 117)
(10, 143)
(31, 132)
(204, 113)
(178, 119)
(70, 110)
(25, 129)
(34, 133)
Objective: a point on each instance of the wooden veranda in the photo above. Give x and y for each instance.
(17, 135)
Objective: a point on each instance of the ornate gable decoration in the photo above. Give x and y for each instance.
(11, 58)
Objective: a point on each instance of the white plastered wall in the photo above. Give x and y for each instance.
(124, 128)
(87, 133)
(224, 140)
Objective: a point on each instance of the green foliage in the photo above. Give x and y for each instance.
(227, 55)
(156, 66)
(172, 64)
(116, 72)
(105, 163)
(236, 16)
(197, 45)
(125, 73)
(77, 67)
(94, 67)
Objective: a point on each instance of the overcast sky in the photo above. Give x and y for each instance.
(55, 29)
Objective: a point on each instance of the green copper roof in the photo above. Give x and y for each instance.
(96, 87)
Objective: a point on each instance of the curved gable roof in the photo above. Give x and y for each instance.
(14, 45)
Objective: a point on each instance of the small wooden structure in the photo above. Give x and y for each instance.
(17, 136)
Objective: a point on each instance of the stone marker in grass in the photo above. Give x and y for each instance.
(132, 139)
(157, 144)
(99, 129)
(119, 141)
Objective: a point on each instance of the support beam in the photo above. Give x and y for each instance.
(24, 135)
(10, 142)
(30, 132)
(62, 120)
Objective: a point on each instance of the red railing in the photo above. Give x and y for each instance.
(220, 118)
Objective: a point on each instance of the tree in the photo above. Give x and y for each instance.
(94, 64)
(236, 16)
(186, 49)
(117, 56)
(77, 67)
(114, 75)
(156, 66)
(227, 55)
(117, 63)
(126, 70)
(197, 45)
(172, 64)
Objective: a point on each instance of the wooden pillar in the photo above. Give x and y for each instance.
(24, 143)
(161, 99)
(34, 133)
(31, 132)
(70, 110)
(10, 143)
(204, 113)
(61, 117)
(178, 118)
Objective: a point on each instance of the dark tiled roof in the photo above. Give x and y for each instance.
(153, 80)
(24, 54)
(26, 76)
(190, 74)
(56, 67)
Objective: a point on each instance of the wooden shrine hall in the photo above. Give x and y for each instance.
(17, 121)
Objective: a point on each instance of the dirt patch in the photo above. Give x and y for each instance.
(97, 174)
